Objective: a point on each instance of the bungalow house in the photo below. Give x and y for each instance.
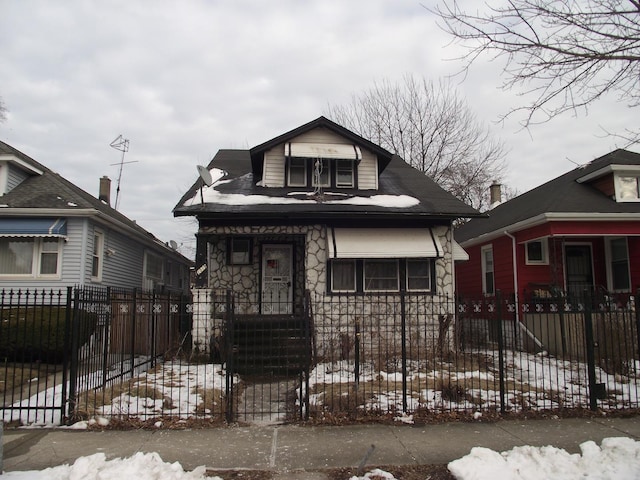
(578, 231)
(54, 235)
(315, 213)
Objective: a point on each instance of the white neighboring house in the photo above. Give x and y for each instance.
(54, 234)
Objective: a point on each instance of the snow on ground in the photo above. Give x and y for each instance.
(536, 381)
(141, 466)
(533, 381)
(617, 458)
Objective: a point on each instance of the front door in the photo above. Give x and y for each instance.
(579, 272)
(277, 279)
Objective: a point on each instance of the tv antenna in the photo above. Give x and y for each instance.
(122, 145)
(207, 180)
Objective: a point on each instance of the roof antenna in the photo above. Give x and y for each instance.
(122, 145)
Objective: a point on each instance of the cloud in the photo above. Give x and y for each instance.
(184, 79)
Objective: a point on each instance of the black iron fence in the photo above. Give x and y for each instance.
(65, 352)
(106, 353)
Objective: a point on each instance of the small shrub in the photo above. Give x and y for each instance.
(37, 334)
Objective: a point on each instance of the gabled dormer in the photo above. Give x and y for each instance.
(620, 182)
(320, 154)
(13, 171)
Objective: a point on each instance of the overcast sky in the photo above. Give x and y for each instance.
(182, 79)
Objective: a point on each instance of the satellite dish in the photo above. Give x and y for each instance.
(173, 244)
(205, 175)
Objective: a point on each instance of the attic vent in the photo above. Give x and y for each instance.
(322, 150)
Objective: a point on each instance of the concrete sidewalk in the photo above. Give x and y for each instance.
(292, 448)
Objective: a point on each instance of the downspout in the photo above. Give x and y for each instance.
(517, 296)
(515, 273)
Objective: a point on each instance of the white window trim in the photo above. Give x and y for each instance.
(484, 269)
(609, 259)
(304, 182)
(618, 186)
(351, 184)
(99, 253)
(545, 253)
(36, 263)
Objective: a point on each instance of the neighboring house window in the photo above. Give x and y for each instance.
(628, 188)
(238, 251)
(33, 257)
(344, 173)
(536, 252)
(321, 173)
(488, 282)
(98, 256)
(343, 276)
(619, 264)
(297, 174)
(153, 267)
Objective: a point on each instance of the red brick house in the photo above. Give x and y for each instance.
(578, 231)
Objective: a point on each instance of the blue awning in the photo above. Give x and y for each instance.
(33, 227)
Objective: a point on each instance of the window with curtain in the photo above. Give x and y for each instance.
(33, 257)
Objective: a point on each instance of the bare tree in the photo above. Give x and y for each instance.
(433, 130)
(564, 53)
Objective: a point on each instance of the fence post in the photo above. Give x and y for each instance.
(356, 347)
(134, 311)
(73, 368)
(106, 330)
(591, 362)
(65, 353)
(636, 305)
(501, 350)
(403, 326)
(153, 318)
(229, 355)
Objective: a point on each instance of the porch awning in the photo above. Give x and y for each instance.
(322, 150)
(33, 227)
(459, 253)
(383, 243)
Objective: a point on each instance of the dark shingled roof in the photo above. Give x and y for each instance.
(51, 191)
(563, 194)
(397, 178)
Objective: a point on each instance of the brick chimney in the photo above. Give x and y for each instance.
(495, 194)
(105, 190)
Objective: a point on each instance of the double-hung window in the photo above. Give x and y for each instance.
(30, 257)
(488, 281)
(297, 172)
(619, 264)
(97, 256)
(344, 173)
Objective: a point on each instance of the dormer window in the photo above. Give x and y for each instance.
(628, 188)
(297, 172)
(345, 173)
(321, 165)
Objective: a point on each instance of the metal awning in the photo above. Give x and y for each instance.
(322, 150)
(33, 227)
(383, 243)
(459, 253)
